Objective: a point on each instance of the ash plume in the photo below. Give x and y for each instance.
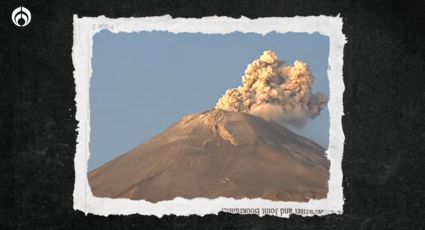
(275, 91)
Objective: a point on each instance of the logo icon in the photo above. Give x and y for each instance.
(21, 16)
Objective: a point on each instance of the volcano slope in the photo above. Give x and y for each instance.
(218, 153)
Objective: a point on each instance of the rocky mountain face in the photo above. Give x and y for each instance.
(218, 153)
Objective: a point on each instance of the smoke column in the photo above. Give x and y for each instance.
(275, 91)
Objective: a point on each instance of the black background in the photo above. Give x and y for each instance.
(383, 105)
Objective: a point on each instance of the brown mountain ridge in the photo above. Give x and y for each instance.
(218, 153)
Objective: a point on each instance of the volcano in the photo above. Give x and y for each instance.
(218, 153)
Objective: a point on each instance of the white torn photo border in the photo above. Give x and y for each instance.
(84, 30)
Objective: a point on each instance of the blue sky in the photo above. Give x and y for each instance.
(144, 82)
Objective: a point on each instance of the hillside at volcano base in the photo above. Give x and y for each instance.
(214, 154)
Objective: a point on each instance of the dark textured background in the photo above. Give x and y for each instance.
(383, 123)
